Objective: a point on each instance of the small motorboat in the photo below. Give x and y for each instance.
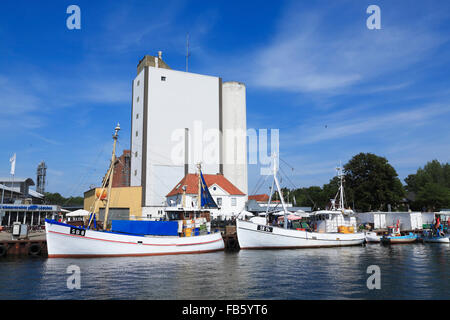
(372, 237)
(394, 236)
(436, 235)
(436, 239)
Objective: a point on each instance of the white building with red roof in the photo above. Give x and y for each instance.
(229, 199)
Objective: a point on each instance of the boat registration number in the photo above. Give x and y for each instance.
(265, 228)
(77, 232)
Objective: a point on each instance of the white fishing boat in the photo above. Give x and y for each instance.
(257, 233)
(135, 238)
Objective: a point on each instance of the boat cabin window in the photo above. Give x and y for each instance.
(172, 215)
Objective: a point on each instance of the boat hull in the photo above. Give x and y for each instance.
(398, 240)
(372, 237)
(64, 242)
(437, 240)
(256, 236)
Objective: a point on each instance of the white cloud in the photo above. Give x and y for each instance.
(308, 55)
(339, 127)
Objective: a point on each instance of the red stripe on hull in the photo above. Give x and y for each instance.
(302, 247)
(127, 255)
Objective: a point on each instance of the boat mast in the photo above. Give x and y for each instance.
(279, 189)
(270, 197)
(111, 169)
(341, 189)
(94, 206)
(199, 200)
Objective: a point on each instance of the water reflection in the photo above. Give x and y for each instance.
(407, 272)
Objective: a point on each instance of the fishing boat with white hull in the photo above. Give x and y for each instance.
(134, 238)
(257, 233)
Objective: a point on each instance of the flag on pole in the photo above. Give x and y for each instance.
(13, 164)
(207, 200)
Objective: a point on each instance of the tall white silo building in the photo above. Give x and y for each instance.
(234, 134)
(178, 119)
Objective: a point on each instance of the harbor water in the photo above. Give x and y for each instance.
(414, 271)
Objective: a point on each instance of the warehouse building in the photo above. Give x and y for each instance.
(125, 203)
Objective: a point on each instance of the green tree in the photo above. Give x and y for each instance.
(372, 183)
(330, 190)
(311, 197)
(433, 196)
(57, 199)
(431, 186)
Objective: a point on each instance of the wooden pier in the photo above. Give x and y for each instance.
(230, 239)
(10, 248)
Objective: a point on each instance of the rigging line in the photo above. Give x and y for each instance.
(259, 184)
(262, 183)
(287, 177)
(161, 181)
(83, 177)
(287, 163)
(306, 192)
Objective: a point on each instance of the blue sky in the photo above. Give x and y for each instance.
(312, 70)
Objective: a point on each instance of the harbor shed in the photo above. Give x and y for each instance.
(428, 218)
(409, 221)
(376, 219)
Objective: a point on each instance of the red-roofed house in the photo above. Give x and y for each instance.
(259, 197)
(228, 197)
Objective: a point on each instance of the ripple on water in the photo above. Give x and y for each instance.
(407, 272)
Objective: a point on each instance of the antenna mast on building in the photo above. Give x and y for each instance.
(41, 177)
(187, 52)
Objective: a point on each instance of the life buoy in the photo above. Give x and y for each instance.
(2, 250)
(34, 249)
